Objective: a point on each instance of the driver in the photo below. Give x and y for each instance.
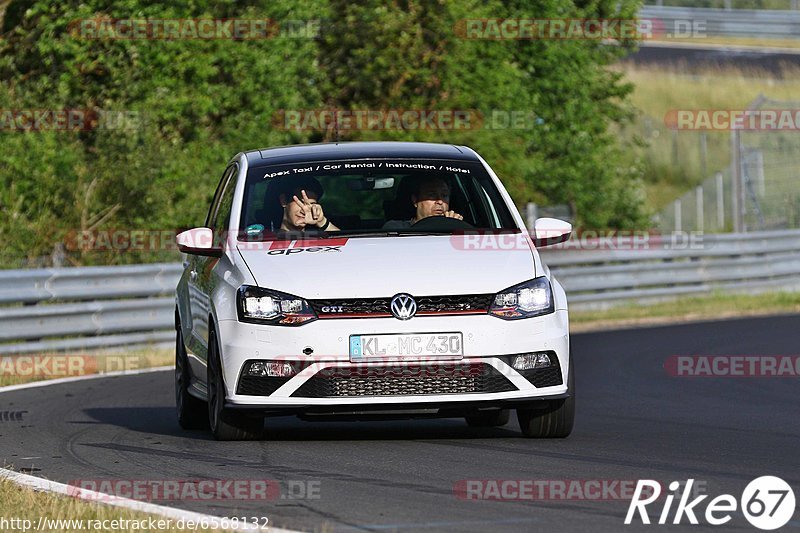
(301, 208)
(431, 198)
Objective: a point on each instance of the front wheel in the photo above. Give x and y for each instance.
(226, 424)
(555, 418)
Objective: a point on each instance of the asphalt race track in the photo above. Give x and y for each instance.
(634, 422)
(697, 58)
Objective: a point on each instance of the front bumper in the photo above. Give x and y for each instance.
(488, 343)
(402, 411)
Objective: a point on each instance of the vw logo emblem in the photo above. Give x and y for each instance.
(403, 306)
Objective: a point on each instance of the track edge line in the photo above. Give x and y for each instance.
(39, 484)
(72, 379)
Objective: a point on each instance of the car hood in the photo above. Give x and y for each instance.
(384, 266)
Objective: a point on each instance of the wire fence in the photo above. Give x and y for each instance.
(769, 163)
(758, 191)
(706, 208)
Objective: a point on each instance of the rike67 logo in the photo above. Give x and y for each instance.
(767, 503)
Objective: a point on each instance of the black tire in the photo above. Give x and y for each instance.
(226, 424)
(553, 419)
(489, 419)
(192, 413)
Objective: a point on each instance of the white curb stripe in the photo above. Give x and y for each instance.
(45, 485)
(57, 381)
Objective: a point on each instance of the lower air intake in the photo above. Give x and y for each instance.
(405, 381)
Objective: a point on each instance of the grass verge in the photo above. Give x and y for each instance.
(16, 369)
(755, 42)
(688, 309)
(65, 514)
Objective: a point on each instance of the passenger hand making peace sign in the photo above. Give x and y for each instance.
(304, 211)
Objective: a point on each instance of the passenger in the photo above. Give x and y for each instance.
(302, 210)
(431, 198)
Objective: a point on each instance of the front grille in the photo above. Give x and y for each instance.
(379, 307)
(451, 304)
(351, 306)
(445, 378)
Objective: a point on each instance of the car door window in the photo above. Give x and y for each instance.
(222, 216)
(226, 178)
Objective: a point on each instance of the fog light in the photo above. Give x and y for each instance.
(271, 369)
(530, 361)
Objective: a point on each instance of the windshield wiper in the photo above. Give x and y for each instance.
(390, 233)
(387, 233)
(423, 232)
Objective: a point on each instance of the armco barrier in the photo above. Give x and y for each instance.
(747, 262)
(745, 23)
(57, 309)
(101, 307)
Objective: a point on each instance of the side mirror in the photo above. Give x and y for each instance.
(198, 241)
(550, 231)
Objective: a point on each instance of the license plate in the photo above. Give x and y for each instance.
(449, 345)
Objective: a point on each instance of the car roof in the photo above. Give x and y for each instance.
(357, 150)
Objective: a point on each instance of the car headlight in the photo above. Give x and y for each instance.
(532, 298)
(264, 306)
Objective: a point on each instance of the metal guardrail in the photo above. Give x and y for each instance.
(747, 262)
(87, 283)
(771, 24)
(87, 308)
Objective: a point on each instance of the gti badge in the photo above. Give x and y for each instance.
(403, 306)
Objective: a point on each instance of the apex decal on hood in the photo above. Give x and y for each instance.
(383, 266)
(310, 245)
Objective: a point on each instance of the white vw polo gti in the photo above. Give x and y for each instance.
(369, 280)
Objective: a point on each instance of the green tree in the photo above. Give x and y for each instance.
(576, 156)
(189, 105)
(410, 54)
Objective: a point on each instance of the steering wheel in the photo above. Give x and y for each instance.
(441, 223)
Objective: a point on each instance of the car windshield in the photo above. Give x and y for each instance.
(375, 197)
